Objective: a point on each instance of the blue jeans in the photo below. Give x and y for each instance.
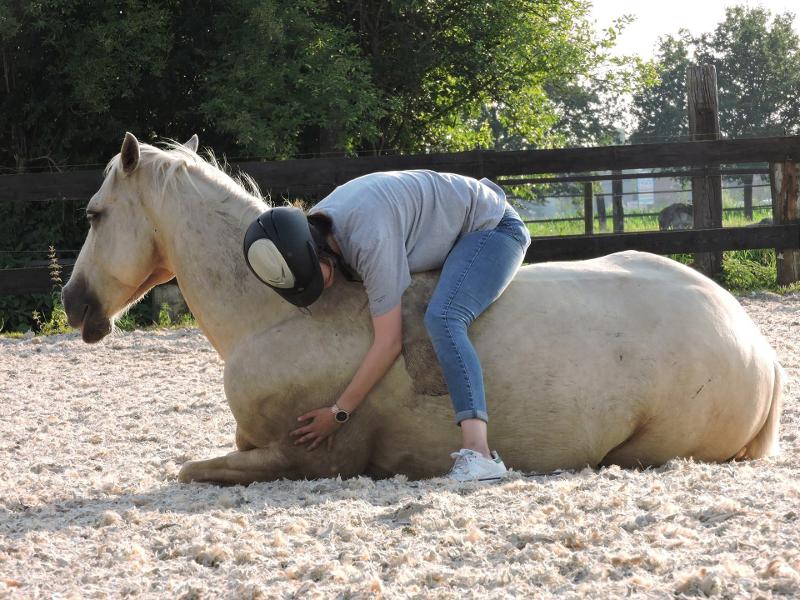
(475, 273)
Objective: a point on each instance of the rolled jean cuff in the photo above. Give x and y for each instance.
(471, 414)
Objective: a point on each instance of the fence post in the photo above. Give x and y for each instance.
(618, 212)
(588, 214)
(747, 194)
(784, 184)
(601, 211)
(703, 106)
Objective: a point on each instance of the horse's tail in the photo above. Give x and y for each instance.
(767, 442)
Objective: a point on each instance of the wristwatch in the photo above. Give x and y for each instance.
(340, 415)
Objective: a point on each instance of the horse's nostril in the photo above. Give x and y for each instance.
(76, 314)
(76, 305)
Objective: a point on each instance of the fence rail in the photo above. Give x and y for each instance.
(664, 242)
(321, 175)
(31, 280)
(634, 215)
(37, 279)
(647, 175)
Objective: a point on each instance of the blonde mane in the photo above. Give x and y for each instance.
(172, 166)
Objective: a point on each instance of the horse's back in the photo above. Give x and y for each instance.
(653, 297)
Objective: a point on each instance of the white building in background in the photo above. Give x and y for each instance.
(646, 195)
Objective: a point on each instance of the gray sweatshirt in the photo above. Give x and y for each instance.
(389, 225)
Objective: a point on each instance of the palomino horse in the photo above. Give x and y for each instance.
(630, 359)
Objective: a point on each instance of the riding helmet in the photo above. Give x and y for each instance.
(280, 251)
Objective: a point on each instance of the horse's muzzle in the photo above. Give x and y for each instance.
(84, 311)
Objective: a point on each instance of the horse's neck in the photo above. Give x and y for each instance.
(201, 235)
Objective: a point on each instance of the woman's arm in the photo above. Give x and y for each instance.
(386, 346)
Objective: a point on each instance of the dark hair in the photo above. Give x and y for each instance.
(321, 227)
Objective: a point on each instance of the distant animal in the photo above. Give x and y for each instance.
(762, 222)
(676, 216)
(630, 359)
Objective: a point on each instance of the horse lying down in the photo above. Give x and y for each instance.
(630, 359)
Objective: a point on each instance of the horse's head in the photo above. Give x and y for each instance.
(120, 258)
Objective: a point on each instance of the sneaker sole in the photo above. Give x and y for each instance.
(498, 478)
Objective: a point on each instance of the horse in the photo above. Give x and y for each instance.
(676, 216)
(630, 359)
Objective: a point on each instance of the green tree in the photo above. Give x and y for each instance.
(406, 75)
(73, 75)
(660, 108)
(757, 58)
(288, 80)
(275, 78)
(453, 75)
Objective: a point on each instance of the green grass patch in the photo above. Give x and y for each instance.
(12, 335)
(742, 270)
(56, 322)
(633, 222)
(748, 270)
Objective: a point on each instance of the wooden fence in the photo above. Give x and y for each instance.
(700, 160)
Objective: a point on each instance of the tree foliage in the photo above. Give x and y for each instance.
(280, 78)
(276, 78)
(660, 109)
(378, 76)
(288, 80)
(75, 74)
(757, 59)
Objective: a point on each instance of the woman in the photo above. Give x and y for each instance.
(385, 226)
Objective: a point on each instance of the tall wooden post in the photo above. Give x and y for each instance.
(619, 213)
(703, 105)
(784, 181)
(588, 214)
(747, 194)
(601, 211)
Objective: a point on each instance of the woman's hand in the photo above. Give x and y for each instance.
(323, 425)
(386, 345)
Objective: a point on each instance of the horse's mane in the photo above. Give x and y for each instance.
(172, 164)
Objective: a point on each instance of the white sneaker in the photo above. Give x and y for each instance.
(473, 466)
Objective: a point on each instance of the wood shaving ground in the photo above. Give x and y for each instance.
(92, 437)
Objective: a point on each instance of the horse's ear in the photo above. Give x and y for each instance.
(193, 142)
(129, 155)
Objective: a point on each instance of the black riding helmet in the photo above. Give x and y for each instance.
(281, 252)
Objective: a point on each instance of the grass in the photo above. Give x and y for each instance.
(56, 322)
(136, 317)
(742, 270)
(634, 222)
(12, 335)
(137, 320)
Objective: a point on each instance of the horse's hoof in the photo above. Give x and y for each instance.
(188, 474)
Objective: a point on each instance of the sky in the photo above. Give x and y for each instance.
(657, 18)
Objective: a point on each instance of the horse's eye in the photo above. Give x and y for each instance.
(92, 216)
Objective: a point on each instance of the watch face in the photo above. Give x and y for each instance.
(341, 416)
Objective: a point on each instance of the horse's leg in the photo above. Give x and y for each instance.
(242, 443)
(241, 467)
